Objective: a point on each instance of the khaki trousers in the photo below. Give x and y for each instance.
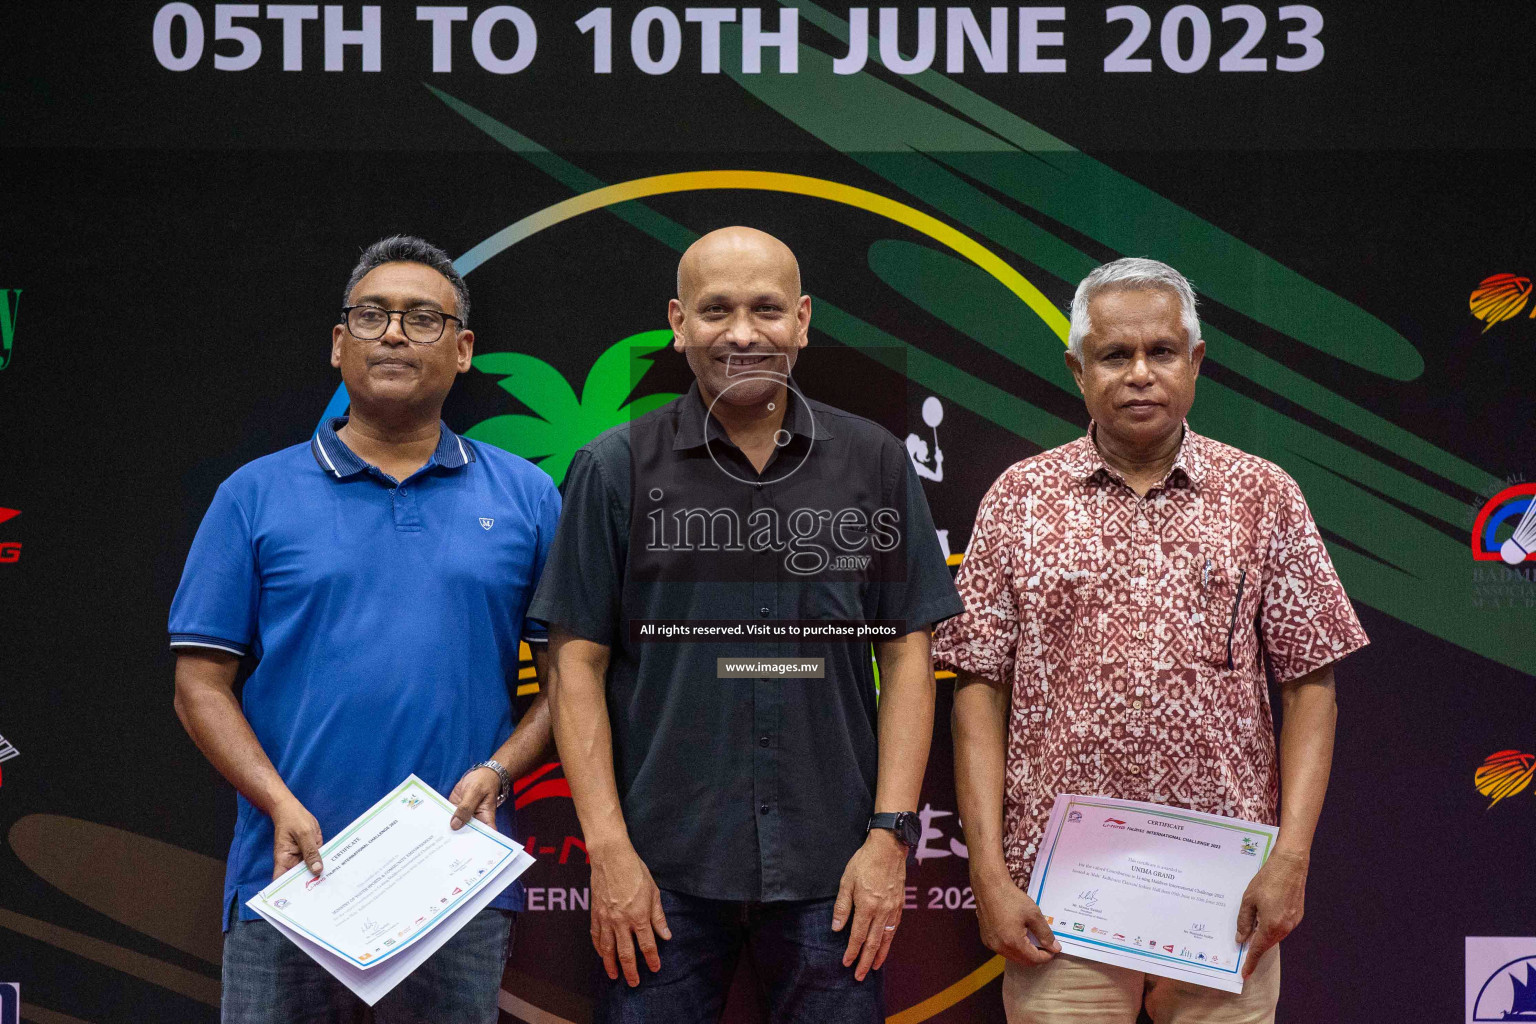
(1067, 990)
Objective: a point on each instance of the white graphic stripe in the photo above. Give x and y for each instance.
(324, 455)
(204, 643)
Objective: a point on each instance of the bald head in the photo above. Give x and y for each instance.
(739, 317)
(728, 252)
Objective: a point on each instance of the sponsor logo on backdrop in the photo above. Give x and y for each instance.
(928, 467)
(10, 551)
(1503, 774)
(1500, 297)
(1501, 978)
(10, 1002)
(7, 751)
(10, 310)
(1505, 528)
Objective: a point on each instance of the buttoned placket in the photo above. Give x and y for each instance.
(766, 699)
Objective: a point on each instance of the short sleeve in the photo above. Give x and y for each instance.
(924, 593)
(983, 639)
(1305, 618)
(581, 586)
(216, 601)
(536, 633)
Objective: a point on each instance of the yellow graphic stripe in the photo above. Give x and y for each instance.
(773, 181)
(945, 998)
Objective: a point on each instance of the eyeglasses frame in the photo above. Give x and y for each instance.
(390, 315)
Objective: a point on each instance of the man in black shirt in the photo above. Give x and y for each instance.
(765, 804)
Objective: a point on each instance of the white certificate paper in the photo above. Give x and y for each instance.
(1147, 887)
(397, 884)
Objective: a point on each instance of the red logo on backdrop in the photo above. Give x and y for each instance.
(9, 551)
(547, 782)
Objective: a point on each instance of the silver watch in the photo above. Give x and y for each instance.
(501, 773)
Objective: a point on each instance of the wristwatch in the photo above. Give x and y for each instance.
(905, 824)
(501, 773)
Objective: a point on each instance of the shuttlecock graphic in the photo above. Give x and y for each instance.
(1523, 542)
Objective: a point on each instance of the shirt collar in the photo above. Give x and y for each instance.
(1084, 462)
(336, 458)
(693, 420)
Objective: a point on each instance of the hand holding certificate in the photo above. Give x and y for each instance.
(1147, 887)
(398, 883)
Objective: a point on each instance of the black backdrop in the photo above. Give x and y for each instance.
(175, 247)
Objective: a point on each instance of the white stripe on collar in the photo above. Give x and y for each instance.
(462, 453)
(326, 456)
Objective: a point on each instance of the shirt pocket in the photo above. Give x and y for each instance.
(1230, 602)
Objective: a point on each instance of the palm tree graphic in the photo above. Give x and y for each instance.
(563, 422)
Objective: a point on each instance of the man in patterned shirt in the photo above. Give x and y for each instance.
(1122, 594)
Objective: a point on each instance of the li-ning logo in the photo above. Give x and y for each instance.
(10, 310)
(9, 551)
(1113, 823)
(486, 523)
(1500, 297)
(1504, 774)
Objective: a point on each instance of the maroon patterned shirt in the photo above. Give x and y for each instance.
(1131, 631)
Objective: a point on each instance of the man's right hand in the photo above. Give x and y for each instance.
(1010, 920)
(296, 838)
(626, 910)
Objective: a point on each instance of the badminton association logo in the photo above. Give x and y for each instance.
(1505, 528)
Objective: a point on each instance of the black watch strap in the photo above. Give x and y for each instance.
(905, 824)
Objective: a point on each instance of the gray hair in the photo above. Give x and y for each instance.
(410, 249)
(1130, 274)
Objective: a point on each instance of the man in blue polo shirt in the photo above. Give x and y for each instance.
(377, 575)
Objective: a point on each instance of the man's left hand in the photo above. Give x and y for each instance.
(475, 797)
(1272, 905)
(873, 888)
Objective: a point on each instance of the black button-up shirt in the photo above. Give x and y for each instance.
(742, 788)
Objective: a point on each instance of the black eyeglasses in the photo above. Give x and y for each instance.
(423, 326)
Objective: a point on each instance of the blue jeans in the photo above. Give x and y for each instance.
(797, 956)
(269, 980)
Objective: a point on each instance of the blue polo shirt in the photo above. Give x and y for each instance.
(384, 621)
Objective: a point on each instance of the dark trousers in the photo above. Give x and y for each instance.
(269, 980)
(796, 955)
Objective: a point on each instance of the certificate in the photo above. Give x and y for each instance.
(397, 884)
(1151, 888)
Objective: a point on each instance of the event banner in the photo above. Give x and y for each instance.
(1349, 187)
